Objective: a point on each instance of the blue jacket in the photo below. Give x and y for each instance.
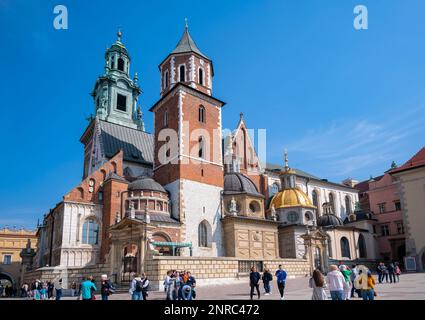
(281, 276)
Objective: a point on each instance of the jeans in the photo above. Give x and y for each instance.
(104, 296)
(368, 294)
(256, 286)
(392, 277)
(281, 287)
(58, 294)
(337, 295)
(267, 287)
(137, 296)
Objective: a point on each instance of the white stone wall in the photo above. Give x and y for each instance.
(200, 202)
(73, 251)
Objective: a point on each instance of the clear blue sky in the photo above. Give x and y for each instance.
(344, 102)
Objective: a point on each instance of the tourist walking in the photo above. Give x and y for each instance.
(106, 288)
(267, 278)
(391, 272)
(136, 288)
(254, 278)
(73, 288)
(168, 285)
(281, 281)
(191, 281)
(347, 281)
(318, 283)
(86, 288)
(58, 289)
(335, 281)
(50, 288)
(366, 283)
(353, 276)
(145, 286)
(397, 271)
(35, 288)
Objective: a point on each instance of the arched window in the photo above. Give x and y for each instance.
(103, 174)
(201, 143)
(112, 62)
(120, 64)
(330, 248)
(182, 75)
(362, 246)
(81, 192)
(201, 116)
(315, 198)
(347, 205)
(203, 234)
(345, 248)
(165, 121)
(166, 80)
(201, 76)
(114, 167)
(90, 232)
(332, 202)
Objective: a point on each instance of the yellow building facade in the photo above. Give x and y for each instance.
(12, 241)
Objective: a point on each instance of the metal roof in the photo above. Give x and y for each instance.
(186, 44)
(146, 184)
(236, 183)
(137, 145)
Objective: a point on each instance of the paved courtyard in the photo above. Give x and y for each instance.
(410, 287)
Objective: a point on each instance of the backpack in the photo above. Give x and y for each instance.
(139, 286)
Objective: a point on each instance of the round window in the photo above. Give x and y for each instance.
(292, 217)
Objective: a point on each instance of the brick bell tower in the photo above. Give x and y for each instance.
(188, 148)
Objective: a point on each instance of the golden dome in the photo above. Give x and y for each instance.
(293, 197)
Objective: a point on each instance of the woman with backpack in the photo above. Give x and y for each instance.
(136, 288)
(267, 278)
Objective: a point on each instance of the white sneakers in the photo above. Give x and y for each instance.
(282, 298)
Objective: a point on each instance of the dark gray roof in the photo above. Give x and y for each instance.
(186, 44)
(327, 220)
(113, 175)
(137, 145)
(146, 184)
(235, 183)
(157, 217)
(276, 167)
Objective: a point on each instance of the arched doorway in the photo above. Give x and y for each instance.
(162, 237)
(129, 262)
(7, 284)
(317, 258)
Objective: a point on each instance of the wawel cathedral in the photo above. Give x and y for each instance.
(185, 192)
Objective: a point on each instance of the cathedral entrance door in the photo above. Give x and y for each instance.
(129, 263)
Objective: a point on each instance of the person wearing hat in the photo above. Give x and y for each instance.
(106, 288)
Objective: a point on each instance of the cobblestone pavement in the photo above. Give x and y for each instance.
(410, 287)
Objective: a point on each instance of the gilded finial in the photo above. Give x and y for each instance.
(241, 115)
(185, 24)
(119, 35)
